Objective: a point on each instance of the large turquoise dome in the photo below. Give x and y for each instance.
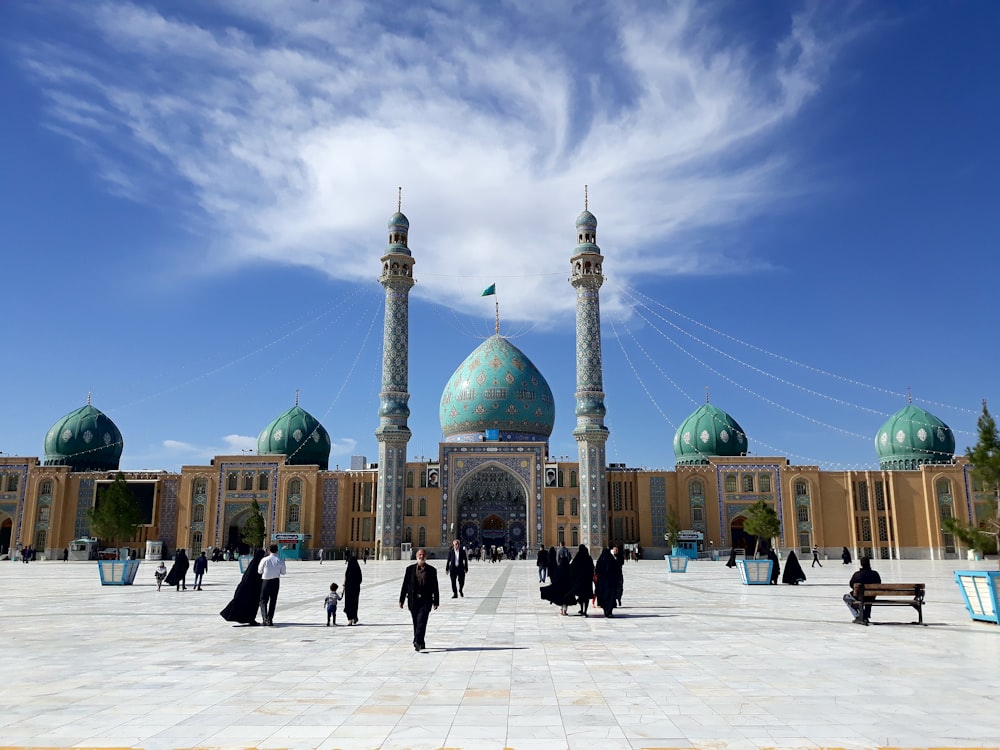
(709, 431)
(911, 437)
(497, 387)
(85, 440)
(299, 436)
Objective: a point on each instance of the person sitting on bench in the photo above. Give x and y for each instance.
(862, 611)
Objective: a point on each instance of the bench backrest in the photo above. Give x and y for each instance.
(916, 590)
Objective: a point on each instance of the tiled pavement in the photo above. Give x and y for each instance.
(692, 660)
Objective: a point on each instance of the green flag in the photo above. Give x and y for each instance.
(491, 289)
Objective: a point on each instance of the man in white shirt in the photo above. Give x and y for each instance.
(271, 569)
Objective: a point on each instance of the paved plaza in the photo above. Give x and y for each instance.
(693, 660)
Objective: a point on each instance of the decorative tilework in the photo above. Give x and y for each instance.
(331, 496)
(84, 502)
(168, 509)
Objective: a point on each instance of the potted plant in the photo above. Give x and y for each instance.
(763, 523)
(114, 518)
(253, 533)
(677, 561)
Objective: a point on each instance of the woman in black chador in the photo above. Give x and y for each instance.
(846, 556)
(557, 592)
(793, 571)
(731, 562)
(178, 571)
(581, 577)
(246, 599)
(775, 565)
(609, 582)
(352, 590)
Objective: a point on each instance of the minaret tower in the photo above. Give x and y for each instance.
(393, 434)
(590, 433)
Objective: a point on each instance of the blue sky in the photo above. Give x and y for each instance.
(797, 206)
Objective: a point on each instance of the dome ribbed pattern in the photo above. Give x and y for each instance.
(709, 431)
(85, 440)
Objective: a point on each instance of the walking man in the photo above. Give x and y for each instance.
(542, 562)
(200, 568)
(420, 590)
(816, 557)
(271, 569)
(457, 566)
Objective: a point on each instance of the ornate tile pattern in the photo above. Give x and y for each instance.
(331, 496)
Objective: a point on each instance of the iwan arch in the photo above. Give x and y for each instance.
(493, 480)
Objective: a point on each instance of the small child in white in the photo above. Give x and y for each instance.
(331, 604)
(160, 573)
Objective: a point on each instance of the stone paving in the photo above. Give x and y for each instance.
(693, 660)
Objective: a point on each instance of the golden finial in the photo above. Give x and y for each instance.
(586, 197)
(399, 200)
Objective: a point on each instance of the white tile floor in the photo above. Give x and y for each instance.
(692, 660)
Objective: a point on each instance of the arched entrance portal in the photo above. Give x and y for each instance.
(742, 539)
(234, 534)
(5, 534)
(493, 510)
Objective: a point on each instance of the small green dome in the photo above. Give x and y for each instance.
(709, 431)
(497, 387)
(398, 220)
(85, 440)
(586, 219)
(911, 437)
(299, 436)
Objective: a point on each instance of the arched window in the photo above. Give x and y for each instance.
(198, 514)
(293, 514)
(248, 482)
(730, 483)
(697, 514)
(561, 535)
(801, 489)
(12, 482)
(560, 506)
(408, 506)
(43, 514)
(408, 535)
(409, 478)
(422, 509)
(295, 487)
(45, 488)
(802, 513)
(200, 487)
(423, 477)
(196, 538)
(696, 488)
(943, 487)
(232, 481)
(748, 482)
(422, 537)
(574, 506)
(576, 536)
(572, 479)
(263, 481)
(765, 482)
(561, 478)
(41, 539)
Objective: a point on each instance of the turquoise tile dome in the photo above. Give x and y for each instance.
(586, 219)
(85, 440)
(398, 220)
(709, 431)
(299, 436)
(911, 437)
(497, 387)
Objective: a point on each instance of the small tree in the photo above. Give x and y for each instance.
(253, 529)
(673, 525)
(117, 514)
(762, 522)
(985, 459)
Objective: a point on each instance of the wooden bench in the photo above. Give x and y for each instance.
(892, 595)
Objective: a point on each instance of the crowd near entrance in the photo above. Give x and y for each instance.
(492, 512)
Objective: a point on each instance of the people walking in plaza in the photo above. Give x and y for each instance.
(320, 555)
(420, 592)
(159, 574)
(178, 571)
(271, 568)
(862, 610)
(200, 569)
(846, 556)
(609, 582)
(793, 574)
(352, 590)
(365, 558)
(457, 566)
(581, 576)
(245, 604)
(562, 553)
(620, 559)
(816, 557)
(330, 603)
(731, 562)
(542, 562)
(775, 565)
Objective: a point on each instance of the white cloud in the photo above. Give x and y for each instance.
(292, 140)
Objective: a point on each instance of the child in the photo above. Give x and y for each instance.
(160, 573)
(331, 604)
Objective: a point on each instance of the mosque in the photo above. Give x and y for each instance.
(493, 481)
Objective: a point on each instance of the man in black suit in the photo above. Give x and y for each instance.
(457, 566)
(420, 588)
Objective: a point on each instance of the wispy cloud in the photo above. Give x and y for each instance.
(290, 125)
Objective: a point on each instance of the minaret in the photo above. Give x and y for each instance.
(392, 433)
(590, 433)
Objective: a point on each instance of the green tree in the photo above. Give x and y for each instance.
(673, 525)
(116, 515)
(985, 459)
(762, 522)
(253, 529)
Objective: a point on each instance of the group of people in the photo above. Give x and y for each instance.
(27, 554)
(177, 575)
(578, 580)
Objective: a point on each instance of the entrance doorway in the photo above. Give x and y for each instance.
(5, 534)
(493, 509)
(741, 539)
(494, 532)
